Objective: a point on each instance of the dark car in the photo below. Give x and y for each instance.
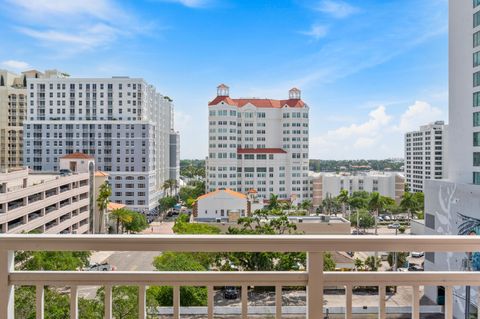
(415, 268)
(230, 293)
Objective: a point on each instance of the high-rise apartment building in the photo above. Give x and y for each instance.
(13, 103)
(258, 144)
(174, 155)
(425, 151)
(123, 122)
(451, 205)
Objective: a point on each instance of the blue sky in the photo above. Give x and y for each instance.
(369, 69)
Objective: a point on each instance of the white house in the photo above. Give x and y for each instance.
(219, 204)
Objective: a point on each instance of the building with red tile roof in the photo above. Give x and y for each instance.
(259, 143)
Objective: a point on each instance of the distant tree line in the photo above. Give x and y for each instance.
(317, 165)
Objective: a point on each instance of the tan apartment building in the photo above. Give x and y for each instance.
(50, 202)
(13, 103)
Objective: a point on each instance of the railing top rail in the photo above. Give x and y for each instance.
(239, 243)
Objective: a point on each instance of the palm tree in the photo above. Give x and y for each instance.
(169, 185)
(343, 199)
(104, 193)
(408, 203)
(359, 264)
(122, 217)
(306, 204)
(375, 204)
(273, 202)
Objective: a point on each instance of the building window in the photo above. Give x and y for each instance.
(476, 19)
(476, 78)
(476, 99)
(476, 3)
(476, 39)
(476, 139)
(476, 158)
(476, 59)
(430, 221)
(476, 178)
(476, 119)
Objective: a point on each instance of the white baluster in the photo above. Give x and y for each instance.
(382, 313)
(6, 289)
(315, 285)
(39, 301)
(348, 302)
(448, 302)
(210, 296)
(74, 302)
(108, 302)
(142, 302)
(176, 302)
(244, 302)
(278, 302)
(415, 302)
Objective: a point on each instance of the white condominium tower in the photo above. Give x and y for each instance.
(425, 157)
(464, 94)
(258, 144)
(123, 122)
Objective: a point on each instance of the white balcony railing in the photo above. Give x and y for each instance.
(314, 278)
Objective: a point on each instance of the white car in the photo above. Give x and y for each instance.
(417, 254)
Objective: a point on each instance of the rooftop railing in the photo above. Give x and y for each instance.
(313, 278)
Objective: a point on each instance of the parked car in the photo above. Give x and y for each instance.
(394, 226)
(417, 254)
(359, 232)
(100, 267)
(65, 172)
(386, 217)
(414, 267)
(230, 292)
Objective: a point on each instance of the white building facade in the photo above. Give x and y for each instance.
(324, 185)
(123, 122)
(259, 144)
(425, 158)
(452, 204)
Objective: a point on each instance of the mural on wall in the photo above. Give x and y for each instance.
(457, 212)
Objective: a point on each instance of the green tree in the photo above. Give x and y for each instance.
(137, 223)
(122, 217)
(401, 259)
(103, 198)
(359, 264)
(169, 185)
(373, 263)
(408, 204)
(420, 200)
(166, 203)
(306, 204)
(365, 219)
(343, 199)
(273, 202)
(376, 203)
(174, 261)
(183, 226)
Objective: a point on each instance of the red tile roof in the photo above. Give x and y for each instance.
(260, 151)
(227, 190)
(267, 103)
(77, 156)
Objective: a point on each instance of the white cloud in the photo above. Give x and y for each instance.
(381, 134)
(336, 8)
(343, 140)
(73, 26)
(420, 113)
(15, 65)
(316, 31)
